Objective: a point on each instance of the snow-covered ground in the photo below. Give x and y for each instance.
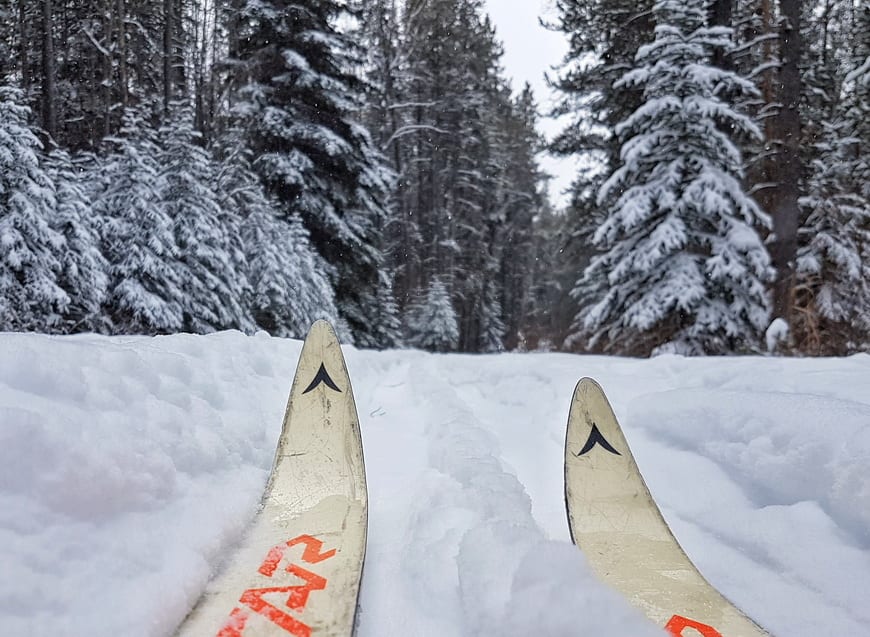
(130, 466)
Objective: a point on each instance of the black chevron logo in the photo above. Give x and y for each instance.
(595, 438)
(322, 377)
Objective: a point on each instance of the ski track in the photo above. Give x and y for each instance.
(129, 467)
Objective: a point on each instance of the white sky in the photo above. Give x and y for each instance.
(530, 51)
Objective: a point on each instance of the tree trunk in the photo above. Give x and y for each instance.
(49, 85)
(23, 40)
(122, 53)
(787, 168)
(721, 15)
(168, 28)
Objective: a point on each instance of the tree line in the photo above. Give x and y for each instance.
(210, 164)
(201, 165)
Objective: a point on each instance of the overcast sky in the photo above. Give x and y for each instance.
(530, 51)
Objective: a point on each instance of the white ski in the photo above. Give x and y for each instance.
(623, 535)
(298, 569)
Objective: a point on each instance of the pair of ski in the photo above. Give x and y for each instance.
(299, 568)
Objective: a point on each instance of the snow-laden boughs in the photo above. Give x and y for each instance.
(432, 323)
(289, 281)
(833, 291)
(290, 288)
(84, 269)
(214, 284)
(387, 329)
(147, 276)
(301, 102)
(602, 37)
(682, 266)
(31, 251)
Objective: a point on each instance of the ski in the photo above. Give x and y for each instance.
(617, 524)
(298, 569)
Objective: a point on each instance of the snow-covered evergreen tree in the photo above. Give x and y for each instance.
(146, 274)
(290, 286)
(214, 284)
(491, 328)
(834, 259)
(432, 320)
(83, 274)
(683, 266)
(30, 250)
(387, 327)
(302, 101)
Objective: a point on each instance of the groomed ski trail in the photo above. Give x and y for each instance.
(473, 559)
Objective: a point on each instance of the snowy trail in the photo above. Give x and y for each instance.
(465, 549)
(130, 466)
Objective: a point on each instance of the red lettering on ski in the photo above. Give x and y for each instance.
(252, 600)
(677, 624)
(311, 554)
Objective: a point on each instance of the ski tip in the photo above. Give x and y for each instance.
(586, 385)
(321, 328)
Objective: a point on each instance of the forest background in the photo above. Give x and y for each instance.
(199, 165)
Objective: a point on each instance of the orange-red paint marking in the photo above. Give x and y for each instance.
(252, 600)
(677, 624)
(311, 554)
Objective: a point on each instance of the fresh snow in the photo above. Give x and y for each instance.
(129, 467)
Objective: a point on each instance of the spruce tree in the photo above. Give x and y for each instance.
(683, 267)
(214, 285)
(386, 322)
(302, 103)
(289, 281)
(433, 324)
(83, 274)
(146, 273)
(30, 249)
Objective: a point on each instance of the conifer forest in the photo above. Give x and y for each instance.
(202, 165)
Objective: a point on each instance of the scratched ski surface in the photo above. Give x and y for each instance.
(627, 542)
(298, 569)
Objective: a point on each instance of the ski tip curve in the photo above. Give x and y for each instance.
(321, 327)
(586, 385)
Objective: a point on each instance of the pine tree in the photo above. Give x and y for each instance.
(30, 250)
(214, 285)
(432, 322)
(83, 275)
(289, 281)
(146, 274)
(302, 102)
(683, 266)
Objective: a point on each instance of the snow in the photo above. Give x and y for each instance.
(776, 334)
(129, 467)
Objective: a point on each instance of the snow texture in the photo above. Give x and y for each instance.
(130, 466)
